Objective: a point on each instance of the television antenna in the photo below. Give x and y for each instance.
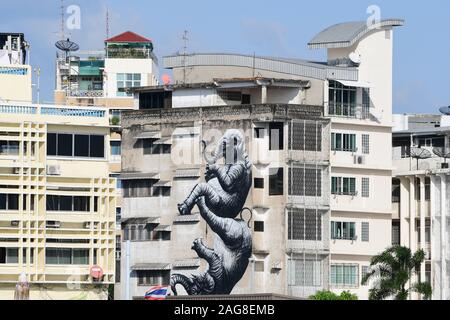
(185, 39)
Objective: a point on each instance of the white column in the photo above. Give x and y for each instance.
(412, 220)
(264, 94)
(127, 270)
(443, 230)
(422, 225)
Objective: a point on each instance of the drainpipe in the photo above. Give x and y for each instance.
(127, 271)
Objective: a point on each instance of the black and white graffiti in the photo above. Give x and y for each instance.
(220, 201)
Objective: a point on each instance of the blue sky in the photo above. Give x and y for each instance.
(276, 28)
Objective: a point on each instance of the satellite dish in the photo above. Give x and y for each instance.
(445, 110)
(355, 58)
(166, 79)
(419, 153)
(67, 46)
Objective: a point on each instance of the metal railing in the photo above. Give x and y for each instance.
(87, 93)
(52, 110)
(349, 110)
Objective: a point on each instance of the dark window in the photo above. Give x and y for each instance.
(68, 203)
(65, 145)
(259, 133)
(81, 204)
(81, 145)
(2, 201)
(9, 201)
(246, 99)
(51, 144)
(259, 226)
(97, 146)
(65, 203)
(305, 182)
(276, 136)
(155, 100)
(258, 183)
(276, 182)
(153, 277)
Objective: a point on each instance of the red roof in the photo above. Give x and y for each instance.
(128, 36)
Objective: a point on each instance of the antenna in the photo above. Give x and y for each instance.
(107, 23)
(62, 35)
(185, 39)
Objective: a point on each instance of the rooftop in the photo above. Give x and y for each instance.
(346, 34)
(128, 36)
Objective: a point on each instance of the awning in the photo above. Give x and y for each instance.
(149, 135)
(162, 183)
(357, 84)
(188, 263)
(146, 220)
(150, 266)
(187, 173)
(163, 227)
(139, 176)
(187, 218)
(165, 141)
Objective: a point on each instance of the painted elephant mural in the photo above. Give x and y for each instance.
(220, 201)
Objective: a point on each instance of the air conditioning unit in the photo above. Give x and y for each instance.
(360, 160)
(15, 223)
(16, 170)
(54, 170)
(53, 224)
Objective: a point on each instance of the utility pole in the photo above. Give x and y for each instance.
(62, 21)
(185, 39)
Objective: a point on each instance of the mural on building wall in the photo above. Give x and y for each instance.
(220, 201)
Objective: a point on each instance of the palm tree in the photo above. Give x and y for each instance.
(392, 270)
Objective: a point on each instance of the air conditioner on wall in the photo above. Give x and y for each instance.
(360, 160)
(53, 170)
(87, 225)
(53, 224)
(15, 223)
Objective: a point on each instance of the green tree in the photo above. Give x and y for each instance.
(328, 295)
(391, 272)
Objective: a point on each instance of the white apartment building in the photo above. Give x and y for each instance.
(420, 218)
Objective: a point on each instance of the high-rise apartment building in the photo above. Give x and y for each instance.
(354, 89)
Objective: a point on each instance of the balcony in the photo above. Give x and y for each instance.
(128, 53)
(51, 110)
(349, 111)
(86, 93)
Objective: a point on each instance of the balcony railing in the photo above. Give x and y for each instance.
(87, 93)
(351, 110)
(128, 53)
(51, 110)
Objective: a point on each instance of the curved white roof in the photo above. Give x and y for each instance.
(346, 34)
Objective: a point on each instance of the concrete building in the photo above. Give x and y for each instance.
(98, 78)
(288, 143)
(354, 87)
(57, 201)
(15, 73)
(420, 194)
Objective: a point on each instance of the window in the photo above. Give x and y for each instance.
(127, 80)
(365, 141)
(342, 100)
(344, 275)
(305, 135)
(24, 256)
(343, 186)
(68, 203)
(365, 231)
(396, 233)
(343, 142)
(81, 145)
(259, 266)
(137, 188)
(305, 182)
(395, 191)
(230, 95)
(365, 103)
(58, 256)
(259, 133)
(75, 145)
(153, 277)
(343, 230)
(427, 188)
(364, 271)
(155, 100)
(161, 192)
(276, 136)
(137, 232)
(9, 148)
(9, 201)
(259, 226)
(150, 147)
(9, 255)
(365, 187)
(305, 272)
(276, 182)
(115, 148)
(304, 224)
(258, 183)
